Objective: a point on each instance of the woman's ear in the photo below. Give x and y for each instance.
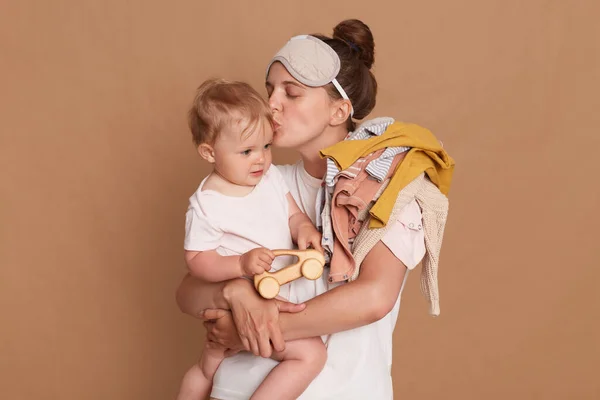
(340, 112)
(207, 152)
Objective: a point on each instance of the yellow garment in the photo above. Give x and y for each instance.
(426, 155)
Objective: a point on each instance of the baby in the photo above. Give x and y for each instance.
(241, 211)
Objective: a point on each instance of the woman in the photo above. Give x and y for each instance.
(315, 94)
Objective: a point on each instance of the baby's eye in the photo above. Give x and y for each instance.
(267, 146)
(246, 152)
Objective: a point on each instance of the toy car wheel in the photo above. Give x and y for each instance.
(268, 287)
(312, 269)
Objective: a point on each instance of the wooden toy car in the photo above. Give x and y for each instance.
(309, 265)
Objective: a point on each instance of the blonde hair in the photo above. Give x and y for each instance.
(219, 104)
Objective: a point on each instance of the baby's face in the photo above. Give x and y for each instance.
(243, 158)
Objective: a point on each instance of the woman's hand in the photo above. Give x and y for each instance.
(221, 331)
(256, 320)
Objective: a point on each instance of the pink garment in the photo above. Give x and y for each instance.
(352, 195)
(405, 237)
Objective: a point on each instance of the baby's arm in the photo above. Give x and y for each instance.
(304, 233)
(210, 266)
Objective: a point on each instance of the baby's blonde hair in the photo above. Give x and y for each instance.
(220, 103)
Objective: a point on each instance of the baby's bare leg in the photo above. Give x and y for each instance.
(301, 362)
(197, 382)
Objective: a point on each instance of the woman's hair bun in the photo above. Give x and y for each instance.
(358, 35)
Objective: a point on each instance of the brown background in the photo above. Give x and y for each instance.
(96, 165)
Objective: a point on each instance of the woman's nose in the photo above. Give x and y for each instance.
(274, 102)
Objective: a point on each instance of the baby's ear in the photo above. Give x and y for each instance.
(207, 152)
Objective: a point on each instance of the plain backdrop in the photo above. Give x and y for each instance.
(96, 165)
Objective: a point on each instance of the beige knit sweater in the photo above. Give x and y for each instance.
(434, 208)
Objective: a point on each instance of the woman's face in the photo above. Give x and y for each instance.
(301, 113)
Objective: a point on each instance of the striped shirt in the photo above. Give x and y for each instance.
(377, 168)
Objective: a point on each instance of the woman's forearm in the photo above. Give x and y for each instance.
(358, 303)
(336, 310)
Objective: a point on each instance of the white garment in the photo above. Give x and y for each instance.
(358, 361)
(234, 225)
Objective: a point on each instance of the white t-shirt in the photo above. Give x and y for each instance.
(235, 225)
(359, 361)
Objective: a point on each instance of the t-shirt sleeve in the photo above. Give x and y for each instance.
(201, 233)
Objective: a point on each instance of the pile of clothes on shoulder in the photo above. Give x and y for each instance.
(371, 176)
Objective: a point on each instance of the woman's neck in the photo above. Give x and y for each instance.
(314, 165)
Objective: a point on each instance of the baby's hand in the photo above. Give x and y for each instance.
(256, 261)
(309, 236)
